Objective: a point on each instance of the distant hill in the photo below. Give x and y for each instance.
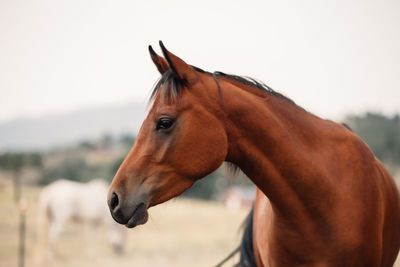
(59, 130)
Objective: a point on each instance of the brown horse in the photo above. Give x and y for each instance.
(323, 199)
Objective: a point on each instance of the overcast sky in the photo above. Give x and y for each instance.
(331, 57)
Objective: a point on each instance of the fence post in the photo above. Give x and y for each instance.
(23, 205)
(17, 186)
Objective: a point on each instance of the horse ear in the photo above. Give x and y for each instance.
(160, 62)
(183, 70)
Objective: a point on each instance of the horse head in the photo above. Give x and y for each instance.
(181, 140)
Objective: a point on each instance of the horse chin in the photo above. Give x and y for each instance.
(139, 216)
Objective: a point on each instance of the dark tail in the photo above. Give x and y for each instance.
(247, 258)
(245, 249)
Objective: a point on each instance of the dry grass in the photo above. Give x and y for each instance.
(181, 232)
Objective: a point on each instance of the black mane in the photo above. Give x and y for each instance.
(170, 86)
(253, 83)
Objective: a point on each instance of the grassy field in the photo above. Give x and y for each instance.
(181, 232)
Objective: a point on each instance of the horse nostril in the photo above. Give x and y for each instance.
(114, 201)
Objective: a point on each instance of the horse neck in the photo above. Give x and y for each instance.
(271, 140)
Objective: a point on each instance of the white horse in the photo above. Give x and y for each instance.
(64, 200)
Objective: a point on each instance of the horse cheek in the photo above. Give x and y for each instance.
(201, 152)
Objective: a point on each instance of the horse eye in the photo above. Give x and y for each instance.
(164, 123)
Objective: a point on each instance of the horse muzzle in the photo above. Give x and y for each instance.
(129, 212)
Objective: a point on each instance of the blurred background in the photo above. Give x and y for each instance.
(75, 77)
